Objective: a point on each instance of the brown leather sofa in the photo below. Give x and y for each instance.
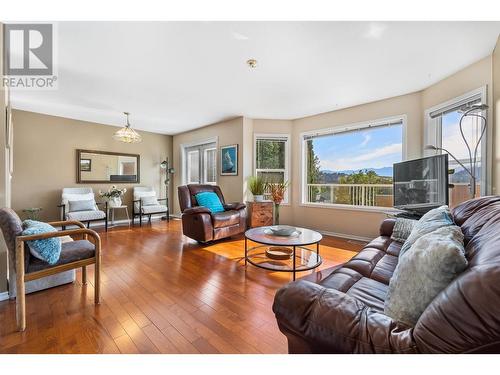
(341, 310)
(200, 224)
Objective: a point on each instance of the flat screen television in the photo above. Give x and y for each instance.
(421, 184)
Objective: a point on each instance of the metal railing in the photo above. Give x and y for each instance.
(379, 195)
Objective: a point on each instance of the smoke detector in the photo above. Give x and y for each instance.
(252, 63)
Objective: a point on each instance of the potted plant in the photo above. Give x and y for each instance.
(277, 190)
(257, 186)
(113, 195)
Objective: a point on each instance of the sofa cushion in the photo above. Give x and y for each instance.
(47, 249)
(432, 262)
(82, 205)
(153, 209)
(149, 201)
(432, 220)
(210, 200)
(402, 229)
(70, 252)
(225, 219)
(85, 215)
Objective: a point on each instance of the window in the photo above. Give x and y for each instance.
(443, 131)
(201, 164)
(352, 166)
(271, 159)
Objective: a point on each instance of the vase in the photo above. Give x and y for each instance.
(258, 198)
(115, 202)
(276, 214)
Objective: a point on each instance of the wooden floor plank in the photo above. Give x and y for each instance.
(161, 293)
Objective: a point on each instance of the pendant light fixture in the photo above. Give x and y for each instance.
(127, 134)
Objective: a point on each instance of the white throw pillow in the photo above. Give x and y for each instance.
(427, 268)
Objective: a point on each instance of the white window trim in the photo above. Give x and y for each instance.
(183, 147)
(340, 129)
(433, 135)
(286, 137)
(205, 168)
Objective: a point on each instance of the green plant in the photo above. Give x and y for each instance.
(256, 185)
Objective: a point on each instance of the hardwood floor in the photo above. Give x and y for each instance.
(161, 293)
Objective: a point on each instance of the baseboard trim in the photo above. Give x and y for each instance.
(4, 296)
(346, 236)
(145, 219)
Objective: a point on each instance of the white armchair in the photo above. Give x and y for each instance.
(79, 204)
(147, 203)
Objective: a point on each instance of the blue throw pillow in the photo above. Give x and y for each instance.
(210, 200)
(48, 249)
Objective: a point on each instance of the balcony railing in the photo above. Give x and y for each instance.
(376, 195)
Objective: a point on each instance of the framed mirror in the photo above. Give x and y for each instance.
(103, 167)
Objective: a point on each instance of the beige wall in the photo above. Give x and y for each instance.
(352, 222)
(495, 116)
(4, 176)
(45, 159)
(227, 133)
(470, 78)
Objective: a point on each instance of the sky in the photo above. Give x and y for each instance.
(452, 139)
(370, 148)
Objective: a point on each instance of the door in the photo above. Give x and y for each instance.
(201, 164)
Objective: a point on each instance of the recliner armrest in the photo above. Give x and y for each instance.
(234, 206)
(333, 322)
(196, 210)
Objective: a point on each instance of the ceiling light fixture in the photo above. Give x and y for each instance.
(252, 63)
(127, 134)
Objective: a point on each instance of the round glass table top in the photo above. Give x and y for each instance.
(301, 237)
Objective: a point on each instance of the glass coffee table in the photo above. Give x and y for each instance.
(296, 253)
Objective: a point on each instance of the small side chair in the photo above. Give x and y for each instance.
(141, 208)
(86, 216)
(74, 254)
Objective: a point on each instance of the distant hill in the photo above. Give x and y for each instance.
(384, 171)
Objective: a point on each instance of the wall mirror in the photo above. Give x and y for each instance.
(103, 166)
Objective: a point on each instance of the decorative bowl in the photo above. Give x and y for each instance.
(282, 230)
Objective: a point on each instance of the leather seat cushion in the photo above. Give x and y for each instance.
(226, 219)
(366, 276)
(70, 252)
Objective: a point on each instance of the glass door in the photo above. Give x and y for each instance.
(201, 164)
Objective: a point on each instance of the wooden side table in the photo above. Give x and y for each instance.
(260, 214)
(112, 210)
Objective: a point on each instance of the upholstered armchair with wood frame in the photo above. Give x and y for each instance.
(74, 254)
(202, 225)
(147, 204)
(78, 204)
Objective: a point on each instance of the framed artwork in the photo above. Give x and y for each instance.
(85, 165)
(229, 160)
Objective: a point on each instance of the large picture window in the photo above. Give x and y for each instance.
(352, 166)
(443, 131)
(271, 159)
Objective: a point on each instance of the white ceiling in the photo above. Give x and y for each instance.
(176, 76)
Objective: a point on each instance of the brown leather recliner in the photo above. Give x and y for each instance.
(202, 225)
(341, 310)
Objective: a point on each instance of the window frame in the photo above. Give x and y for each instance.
(183, 160)
(274, 136)
(342, 128)
(433, 133)
(205, 165)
